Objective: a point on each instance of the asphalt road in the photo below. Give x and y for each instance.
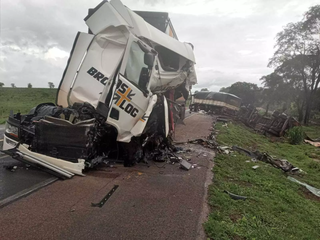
(15, 181)
(159, 201)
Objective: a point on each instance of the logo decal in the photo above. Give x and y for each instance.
(144, 118)
(97, 75)
(123, 97)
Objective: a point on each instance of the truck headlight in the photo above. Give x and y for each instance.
(11, 130)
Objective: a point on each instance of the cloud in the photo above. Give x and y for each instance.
(233, 39)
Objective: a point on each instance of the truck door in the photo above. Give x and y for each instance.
(131, 95)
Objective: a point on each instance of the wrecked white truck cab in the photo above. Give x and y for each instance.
(115, 99)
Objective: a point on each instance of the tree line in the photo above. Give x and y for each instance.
(294, 83)
(29, 85)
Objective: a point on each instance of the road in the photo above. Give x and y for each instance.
(159, 201)
(16, 183)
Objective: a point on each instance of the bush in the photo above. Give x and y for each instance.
(295, 135)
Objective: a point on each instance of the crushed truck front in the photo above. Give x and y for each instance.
(112, 99)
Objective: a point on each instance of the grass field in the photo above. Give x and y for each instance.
(276, 208)
(23, 99)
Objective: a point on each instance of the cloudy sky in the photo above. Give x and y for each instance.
(233, 39)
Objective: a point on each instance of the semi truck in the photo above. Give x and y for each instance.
(116, 98)
(215, 102)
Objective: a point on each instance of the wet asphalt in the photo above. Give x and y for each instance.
(16, 176)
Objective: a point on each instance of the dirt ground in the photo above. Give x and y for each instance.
(159, 201)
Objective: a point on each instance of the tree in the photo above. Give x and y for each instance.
(1, 84)
(224, 89)
(297, 57)
(276, 90)
(244, 90)
(204, 90)
(13, 85)
(29, 85)
(51, 85)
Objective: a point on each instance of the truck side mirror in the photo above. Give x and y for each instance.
(149, 59)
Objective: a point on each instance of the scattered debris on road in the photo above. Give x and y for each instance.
(106, 198)
(11, 168)
(185, 165)
(204, 142)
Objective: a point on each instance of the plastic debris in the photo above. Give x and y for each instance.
(313, 190)
(316, 144)
(224, 149)
(255, 167)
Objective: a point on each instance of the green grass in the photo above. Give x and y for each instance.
(312, 131)
(23, 99)
(276, 208)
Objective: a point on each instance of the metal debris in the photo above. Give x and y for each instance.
(276, 125)
(185, 165)
(106, 198)
(234, 196)
(11, 168)
(245, 151)
(282, 164)
(206, 143)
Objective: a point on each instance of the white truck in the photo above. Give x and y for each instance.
(115, 99)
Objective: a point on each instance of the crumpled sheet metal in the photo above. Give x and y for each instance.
(283, 164)
(313, 190)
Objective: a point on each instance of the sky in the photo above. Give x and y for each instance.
(233, 39)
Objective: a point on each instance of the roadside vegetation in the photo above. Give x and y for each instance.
(294, 85)
(23, 99)
(275, 208)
